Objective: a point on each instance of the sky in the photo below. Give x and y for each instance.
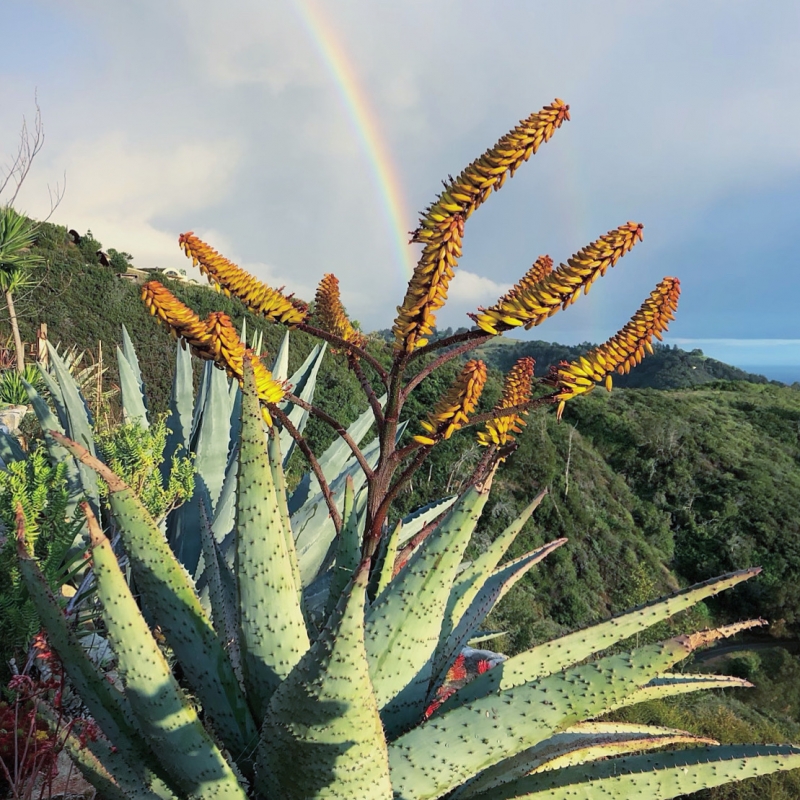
(301, 137)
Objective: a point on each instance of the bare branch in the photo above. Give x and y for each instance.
(30, 143)
(437, 362)
(468, 336)
(478, 419)
(347, 347)
(312, 460)
(368, 391)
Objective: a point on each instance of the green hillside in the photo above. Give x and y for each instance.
(655, 487)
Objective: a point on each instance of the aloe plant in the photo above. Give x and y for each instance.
(329, 650)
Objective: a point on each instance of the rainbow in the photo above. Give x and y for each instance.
(366, 126)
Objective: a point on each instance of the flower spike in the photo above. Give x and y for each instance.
(622, 351)
(516, 391)
(232, 280)
(213, 339)
(329, 313)
(442, 225)
(454, 407)
(536, 298)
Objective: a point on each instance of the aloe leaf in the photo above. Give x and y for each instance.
(670, 685)
(659, 776)
(388, 548)
(322, 735)
(489, 593)
(133, 407)
(404, 621)
(108, 707)
(552, 656)
(167, 719)
(348, 551)
(332, 461)
(272, 628)
(259, 343)
(461, 745)
(280, 366)
(471, 580)
(210, 444)
(579, 744)
(243, 334)
(10, 449)
(169, 594)
(129, 351)
(181, 408)
(414, 522)
(55, 394)
(279, 481)
(481, 637)
(303, 383)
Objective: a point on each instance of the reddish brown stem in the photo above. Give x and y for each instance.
(334, 423)
(437, 362)
(504, 412)
(368, 391)
(347, 347)
(467, 336)
(312, 460)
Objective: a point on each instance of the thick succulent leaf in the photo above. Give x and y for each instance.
(348, 550)
(55, 394)
(280, 366)
(669, 685)
(279, 480)
(129, 351)
(181, 407)
(133, 407)
(481, 637)
(471, 580)
(169, 594)
(258, 344)
(167, 719)
(273, 633)
(579, 744)
(404, 621)
(658, 776)
(303, 383)
(108, 707)
(243, 334)
(10, 449)
(550, 657)
(388, 548)
(471, 738)
(332, 461)
(210, 444)
(489, 593)
(322, 735)
(414, 522)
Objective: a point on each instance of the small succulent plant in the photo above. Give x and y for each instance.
(324, 653)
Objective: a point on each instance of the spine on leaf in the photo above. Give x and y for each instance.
(442, 225)
(257, 296)
(536, 298)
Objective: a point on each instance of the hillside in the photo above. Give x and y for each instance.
(695, 475)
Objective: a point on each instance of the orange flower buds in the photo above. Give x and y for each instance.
(442, 225)
(329, 313)
(516, 391)
(454, 407)
(225, 275)
(541, 293)
(213, 339)
(622, 351)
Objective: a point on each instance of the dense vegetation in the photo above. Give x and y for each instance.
(653, 488)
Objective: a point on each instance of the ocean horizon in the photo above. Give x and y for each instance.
(787, 373)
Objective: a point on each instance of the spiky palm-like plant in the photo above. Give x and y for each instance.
(322, 652)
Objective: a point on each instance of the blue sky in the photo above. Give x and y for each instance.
(171, 115)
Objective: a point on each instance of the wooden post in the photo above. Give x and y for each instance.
(42, 356)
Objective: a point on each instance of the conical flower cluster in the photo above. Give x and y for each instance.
(329, 313)
(516, 391)
(622, 351)
(442, 225)
(536, 298)
(213, 339)
(232, 280)
(454, 407)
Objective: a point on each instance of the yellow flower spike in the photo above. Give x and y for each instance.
(179, 318)
(232, 280)
(454, 407)
(622, 351)
(532, 301)
(442, 224)
(329, 313)
(516, 391)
